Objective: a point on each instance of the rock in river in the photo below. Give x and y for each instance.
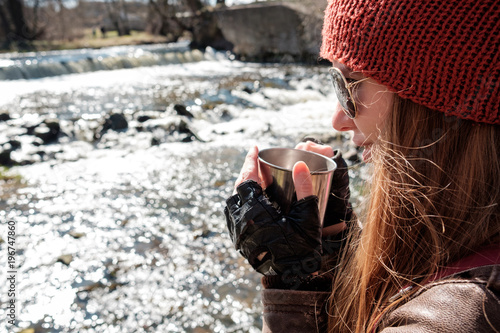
(48, 131)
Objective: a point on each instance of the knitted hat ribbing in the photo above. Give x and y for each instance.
(444, 54)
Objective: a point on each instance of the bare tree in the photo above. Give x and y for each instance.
(5, 28)
(194, 5)
(14, 27)
(118, 16)
(15, 23)
(163, 19)
(62, 20)
(36, 16)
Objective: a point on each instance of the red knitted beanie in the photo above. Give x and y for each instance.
(444, 54)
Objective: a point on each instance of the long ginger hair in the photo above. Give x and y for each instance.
(434, 198)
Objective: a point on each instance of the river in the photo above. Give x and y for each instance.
(122, 230)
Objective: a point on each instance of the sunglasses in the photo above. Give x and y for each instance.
(343, 90)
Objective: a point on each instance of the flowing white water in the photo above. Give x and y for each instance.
(144, 223)
(16, 66)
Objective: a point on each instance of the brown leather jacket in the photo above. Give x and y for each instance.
(468, 301)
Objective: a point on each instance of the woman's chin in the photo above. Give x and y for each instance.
(367, 154)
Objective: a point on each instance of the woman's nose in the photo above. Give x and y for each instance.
(340, 121)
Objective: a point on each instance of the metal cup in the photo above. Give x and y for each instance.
(275, 166)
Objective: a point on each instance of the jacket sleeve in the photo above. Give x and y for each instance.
(450, 305)
(294, 311)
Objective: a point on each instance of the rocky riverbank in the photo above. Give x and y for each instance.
(32, 139)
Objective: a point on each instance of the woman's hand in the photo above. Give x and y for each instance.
(250, 171)
(287, 245)
(273, 243)
(338, 208)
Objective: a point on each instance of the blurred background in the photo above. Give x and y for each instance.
(123, 126)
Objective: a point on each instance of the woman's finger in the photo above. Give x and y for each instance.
(302, 180)
(250, 169)
(315, 148)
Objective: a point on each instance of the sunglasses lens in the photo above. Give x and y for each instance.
(343, 94)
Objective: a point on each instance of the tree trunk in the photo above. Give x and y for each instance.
(125, 22)
(114, 16)
(170, 24)
(5, 25)
(194, 5)
(62, 22)
(21, 28)
(36, 7)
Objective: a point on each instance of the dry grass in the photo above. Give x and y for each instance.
(96, 42)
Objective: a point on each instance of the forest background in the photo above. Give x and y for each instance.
(38, 25)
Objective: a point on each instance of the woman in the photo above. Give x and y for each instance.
(418, 84)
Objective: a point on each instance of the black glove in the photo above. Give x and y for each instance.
(292, 242)
(338, 208)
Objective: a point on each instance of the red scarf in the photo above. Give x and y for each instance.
(489, 255)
